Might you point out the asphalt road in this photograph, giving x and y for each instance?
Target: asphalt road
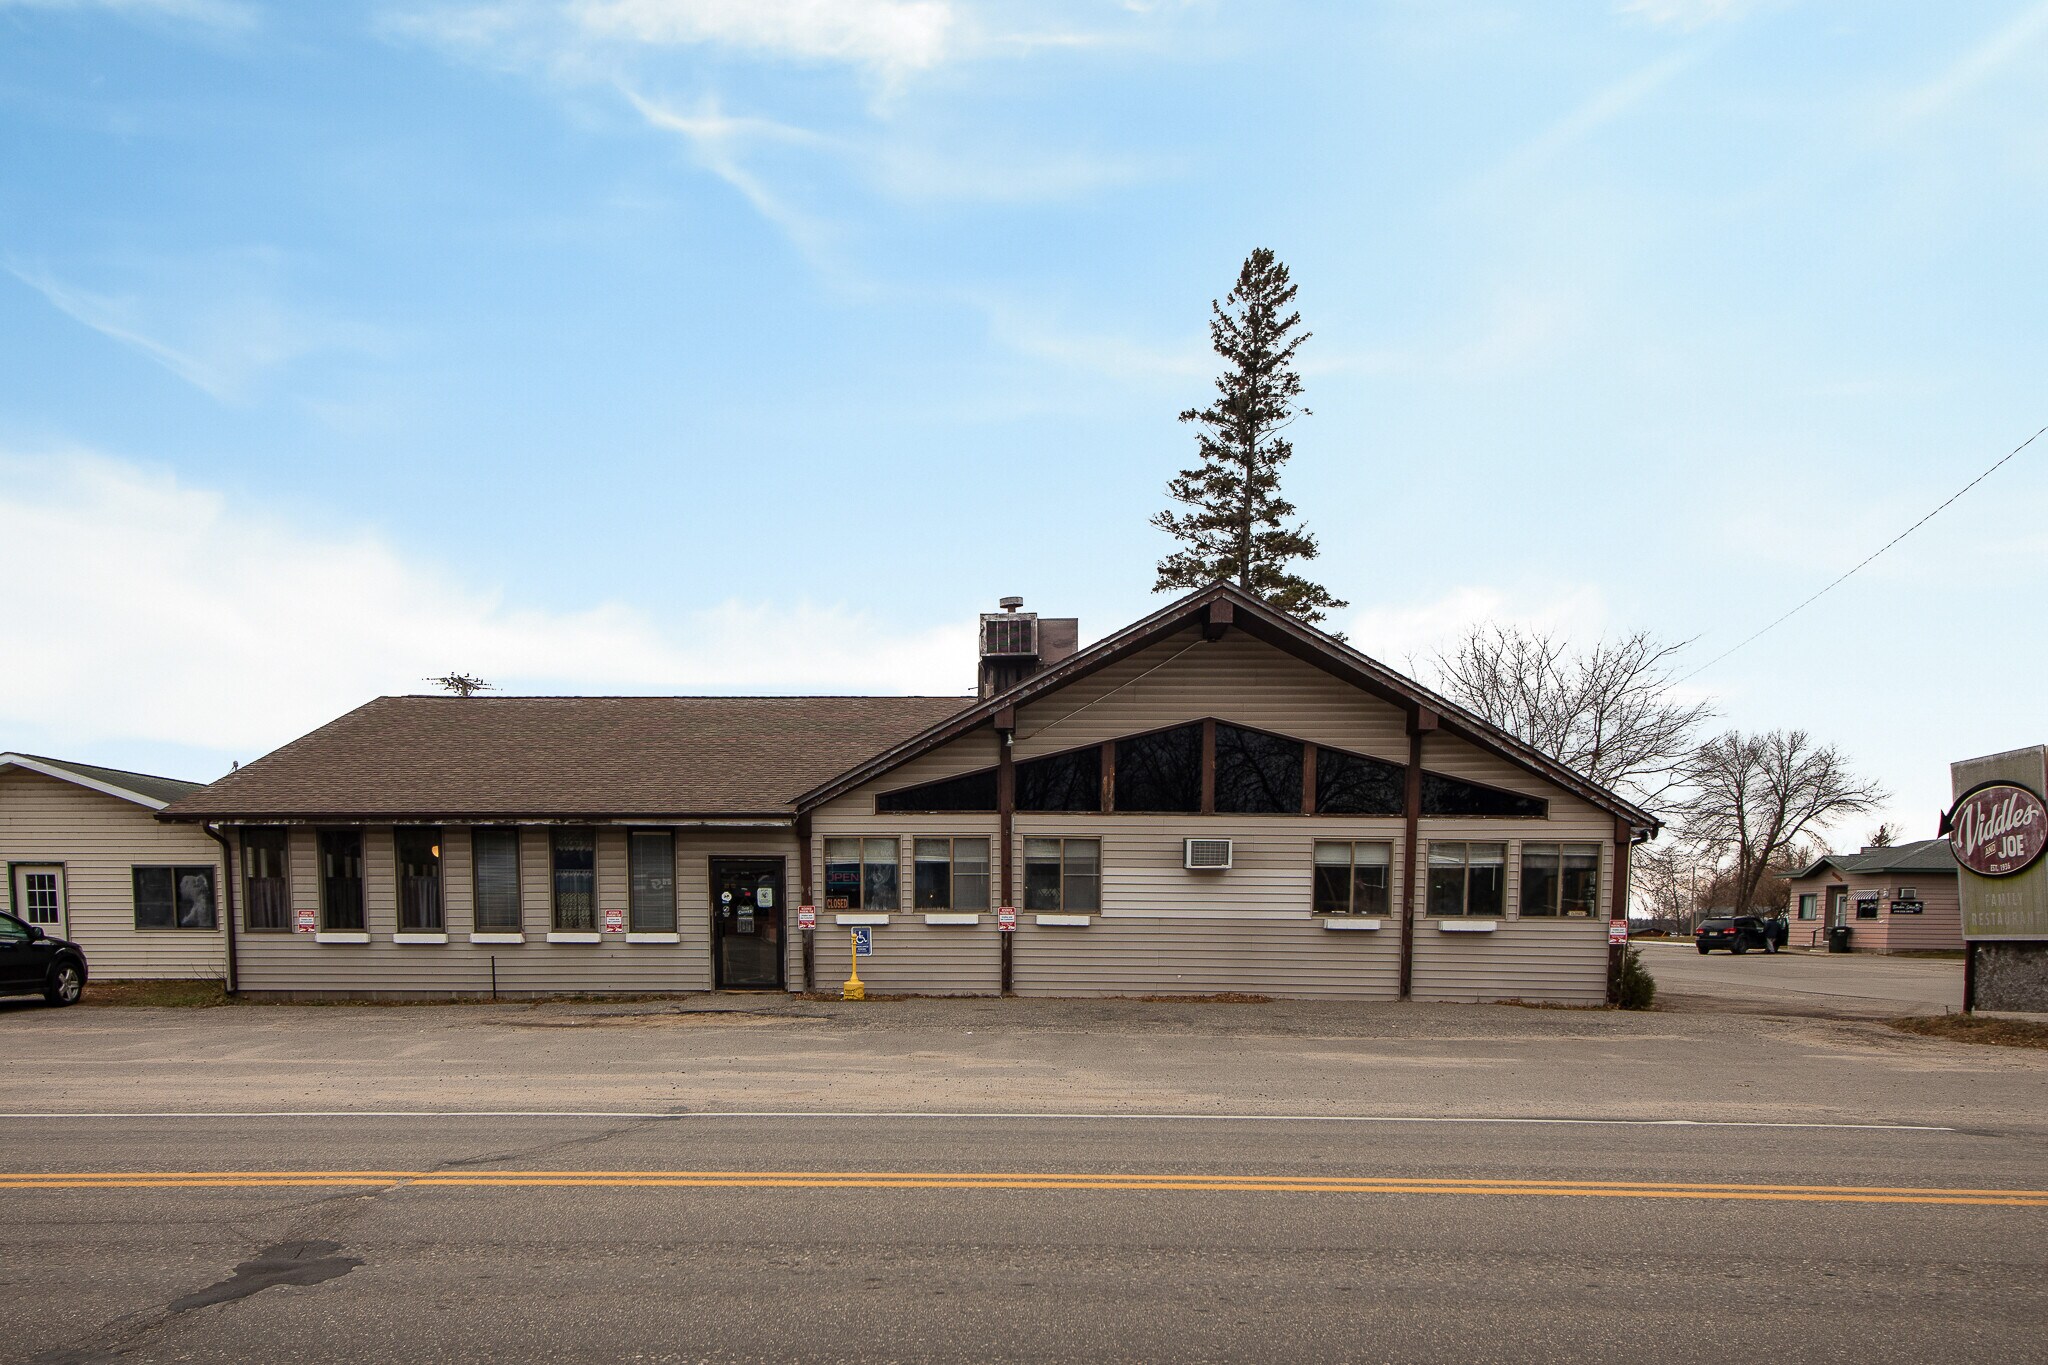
(1847, 985)
(857, 1239)
(1284, 1182)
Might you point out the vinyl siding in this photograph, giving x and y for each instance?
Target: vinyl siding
(300, 964)
(1162, 929)
(1938, 928)
(100, 839)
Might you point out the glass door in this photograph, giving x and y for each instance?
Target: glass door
(746, 923)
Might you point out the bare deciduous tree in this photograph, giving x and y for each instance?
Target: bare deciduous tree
(1751, 798)
(1606, 713)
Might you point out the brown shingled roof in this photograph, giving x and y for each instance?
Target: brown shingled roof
(501, 757)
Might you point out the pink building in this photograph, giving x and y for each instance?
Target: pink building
(1895, 900)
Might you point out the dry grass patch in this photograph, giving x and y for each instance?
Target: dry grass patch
(1975, 1028)
(156, 994)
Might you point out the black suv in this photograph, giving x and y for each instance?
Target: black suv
(33, 963)
(1740, 933)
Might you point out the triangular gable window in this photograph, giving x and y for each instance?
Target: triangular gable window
(1254, 773)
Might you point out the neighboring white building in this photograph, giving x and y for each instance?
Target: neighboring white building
(88, 860)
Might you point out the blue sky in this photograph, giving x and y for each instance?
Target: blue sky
(730, 345)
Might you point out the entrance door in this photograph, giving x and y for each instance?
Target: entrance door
(39, 896)
(746, 923)
(1838, 905)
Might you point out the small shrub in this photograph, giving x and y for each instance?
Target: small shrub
(1635, 988)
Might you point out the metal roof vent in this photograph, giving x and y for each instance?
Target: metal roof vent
(1009, 634)
(1205, 855)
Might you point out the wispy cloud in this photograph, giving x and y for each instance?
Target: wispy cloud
(1685, 14)
(719, 143)
(1410, 635)
(1980, 64)
(173, 579)
(216, 322)
(221, 14)
(1598, 110)
(888, 37)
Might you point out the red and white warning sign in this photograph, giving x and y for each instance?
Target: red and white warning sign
(1617, 931)
(305, 920)
(807, 917)
(1006, 920)
(615, 919)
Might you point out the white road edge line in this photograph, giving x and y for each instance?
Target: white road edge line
(1011, 1117)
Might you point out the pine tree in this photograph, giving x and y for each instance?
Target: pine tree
(1235, 525)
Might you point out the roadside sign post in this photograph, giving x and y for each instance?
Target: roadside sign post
(1998, 831)
(1006, 920)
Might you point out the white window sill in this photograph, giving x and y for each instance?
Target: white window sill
(555, 936)
(1347, 922)
(341, 936)
(648, 937)
(488, 937)
(419, 938)
(951, 917)
(1467, 926)
(1063, 921)
(860, 919)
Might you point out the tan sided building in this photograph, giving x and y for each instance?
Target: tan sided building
(87, 860)
(1214, 799)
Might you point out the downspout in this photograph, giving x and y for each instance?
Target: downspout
(1006, 821)
(804, 900)
(227, 866)
(1420, 721)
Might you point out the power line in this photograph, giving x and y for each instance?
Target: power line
(1866, 559)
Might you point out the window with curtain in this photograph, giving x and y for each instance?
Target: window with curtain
(418, 849)
(174, 898)
(1351, 877)
(1063, 875)
(494, 859)
(1256, 773)
(950, 874)
(1560, 880)
(860, 874)
(1071, 781)
(266, 883)
(1161, 771)
(1467, 878)
(651, 859)
(1809, 906)
(341, 879)
(575, 880)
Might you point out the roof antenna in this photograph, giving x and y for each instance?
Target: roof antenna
(461, 684)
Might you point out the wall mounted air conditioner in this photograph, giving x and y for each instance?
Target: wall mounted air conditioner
(1205, 855)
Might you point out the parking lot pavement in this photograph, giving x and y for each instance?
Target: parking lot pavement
(1839, 985)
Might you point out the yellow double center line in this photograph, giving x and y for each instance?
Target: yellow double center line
(975, 1180)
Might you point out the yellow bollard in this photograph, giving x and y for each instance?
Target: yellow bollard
(853, 989)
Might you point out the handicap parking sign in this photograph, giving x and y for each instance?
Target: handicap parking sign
(863, 941)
